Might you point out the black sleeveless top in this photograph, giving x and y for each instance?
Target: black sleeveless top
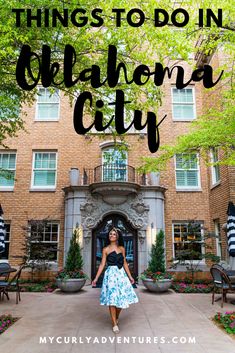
(115, 259)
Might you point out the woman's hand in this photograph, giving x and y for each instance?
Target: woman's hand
(132, 280)
(93, 283)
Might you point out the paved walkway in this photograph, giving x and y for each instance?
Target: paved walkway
(80, 317)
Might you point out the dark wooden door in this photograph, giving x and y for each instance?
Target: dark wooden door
(130, 243)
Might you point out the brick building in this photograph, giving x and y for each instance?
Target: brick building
(81, 181)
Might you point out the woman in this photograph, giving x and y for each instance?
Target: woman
(117, 291)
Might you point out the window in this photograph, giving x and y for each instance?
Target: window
(45, 245)
(44, 170)
(47, 105)
(215, 171)
(114, 166)
(218, 238)
(183, 104)
(187, 171)
(187, 239)
(7, 170)
(5, 255)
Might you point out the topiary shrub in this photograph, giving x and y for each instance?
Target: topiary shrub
(157, 262)
(74, 259)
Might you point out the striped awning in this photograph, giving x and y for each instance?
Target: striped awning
(231, 229)
(2, 232)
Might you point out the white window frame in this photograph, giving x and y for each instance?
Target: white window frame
(37, 103)
(213, 167)
(9, 188)
(202, 262)
(38, 187)
(189, 188)
(112, 147)
(194, 104)
(218, 241)
(8, 241)
(52, 242)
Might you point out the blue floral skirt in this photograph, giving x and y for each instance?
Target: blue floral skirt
(117, 289)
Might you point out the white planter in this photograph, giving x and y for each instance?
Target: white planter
(161, 285)
(70, 285)
(155, 178)
(74, 176)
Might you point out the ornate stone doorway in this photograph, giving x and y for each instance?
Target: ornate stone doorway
(130, 243)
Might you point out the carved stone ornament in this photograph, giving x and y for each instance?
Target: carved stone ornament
(89, 222)
(140, 207)
(138, 222)
(95, 209)
(87, 236)
(141, 237)
(88, 207)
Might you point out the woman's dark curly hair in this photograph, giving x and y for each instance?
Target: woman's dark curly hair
(120, 237)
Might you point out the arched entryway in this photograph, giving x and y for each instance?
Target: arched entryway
(130, 243)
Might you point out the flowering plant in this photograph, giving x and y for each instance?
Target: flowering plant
(227, 320)
(6, 321)
(183, 287)
(65, 274)
(155, 276)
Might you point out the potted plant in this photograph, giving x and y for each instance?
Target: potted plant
(72, 278)
(155, 278)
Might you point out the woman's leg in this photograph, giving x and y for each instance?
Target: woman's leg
(112, 310)
(118, 310)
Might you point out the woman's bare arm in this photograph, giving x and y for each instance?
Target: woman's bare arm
(126, 267)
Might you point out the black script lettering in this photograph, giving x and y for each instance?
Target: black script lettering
(206, 74)
(151, 121)
(160, 74)
(23, 65)
(69, 62)
(152, 129)
(94, 76)
(48, 71)
(141, 70)
(119, 112)
(78, 113)
(99, 117)
(113, 72)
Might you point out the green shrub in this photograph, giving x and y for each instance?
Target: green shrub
(74, 258)
(157, 262)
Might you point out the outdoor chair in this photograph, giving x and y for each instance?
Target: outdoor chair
(221, 281)
(13, 283)
(4, 266)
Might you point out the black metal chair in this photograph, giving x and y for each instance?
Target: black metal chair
(222, 282)
(13, 283)
(4, 266)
